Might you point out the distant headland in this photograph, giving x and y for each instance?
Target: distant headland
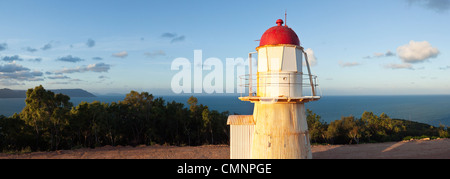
(9, 93)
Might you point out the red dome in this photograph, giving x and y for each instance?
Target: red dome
(279, 35)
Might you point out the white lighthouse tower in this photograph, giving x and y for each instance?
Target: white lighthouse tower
(278, 125)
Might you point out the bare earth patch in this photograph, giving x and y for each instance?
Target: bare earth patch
(416, 149)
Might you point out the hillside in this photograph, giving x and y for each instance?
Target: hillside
(8, 93)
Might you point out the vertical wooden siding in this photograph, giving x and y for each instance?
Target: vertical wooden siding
(241, 141)
(241, 137)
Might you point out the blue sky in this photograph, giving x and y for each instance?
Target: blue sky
(361, 47)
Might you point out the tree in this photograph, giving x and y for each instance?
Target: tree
(47, 114)
(220, 130)
(80, 125)
(353, 130)
(177, 116)
(207, 123)
(158, 124)
(344, 131)
(192, 101)
(15, 135)
(442, 132)
(316, 127)
(111, 126)
(59, 118)
(370, 123)
(98, 121)
(138, 115)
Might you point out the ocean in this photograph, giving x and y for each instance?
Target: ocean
(429, 109)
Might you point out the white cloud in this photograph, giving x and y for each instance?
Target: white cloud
(58, 83)
(436, 5)
(416, 52)
(90, 43)
(169, 35)
(311, 57)
(348, 64)
(98, 67)
(155, 53)
(12, 67)
(58, 77)
(122, 54)
(178, 39)
(399, 66)
(69, 58)
(11, 58)
(389, 54)
(445, 68)
(15, 71)
(174, 37)
(47, 46)
(29, 49)
(380, 55)
(10, 83)
(3, 46)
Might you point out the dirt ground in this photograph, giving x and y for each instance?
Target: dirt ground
(416, 149)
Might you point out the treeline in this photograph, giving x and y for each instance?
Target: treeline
(369, 128)
(50, 122)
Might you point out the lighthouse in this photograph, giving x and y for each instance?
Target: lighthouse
(278, 128)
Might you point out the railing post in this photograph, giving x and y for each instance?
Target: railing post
(250, 76)
(315, 84)
(310, 76)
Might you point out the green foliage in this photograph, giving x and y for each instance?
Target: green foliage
(15, 135)
(50, 122)
(346, 129)
(317, 128)
(443, 133)
(47, 113)
(192, 101)
(370, 128)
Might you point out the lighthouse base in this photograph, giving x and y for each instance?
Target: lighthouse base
(281, 131)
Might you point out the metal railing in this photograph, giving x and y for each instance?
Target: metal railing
(285, 79)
